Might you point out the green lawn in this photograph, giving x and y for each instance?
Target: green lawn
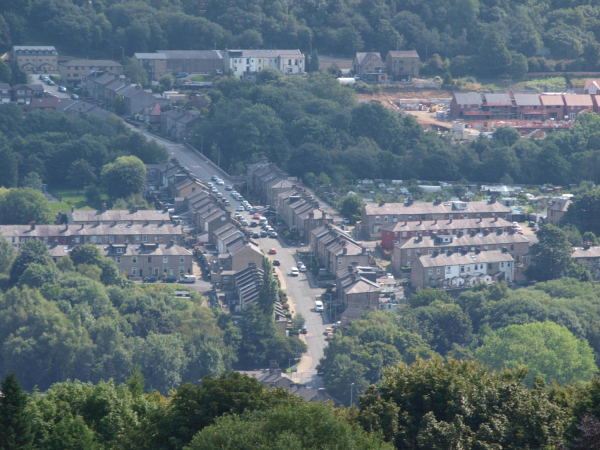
(71, 198)
(201, 78)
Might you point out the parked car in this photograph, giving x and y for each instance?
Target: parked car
(294, 272)
(171, 279)
(62, 89)
(276, 262)
(49, 82)
(255, 235)
(304, 330)
(263, 234)
(254, 223)
(227, 203)
(336, 325)
(75, 96)
(188, 279)
(220, 182)
(273, 251)
(151, 279)
(214, 190)
(240, 208)
(319, 306)
(273, 234)
(301, 267)
(229, 187)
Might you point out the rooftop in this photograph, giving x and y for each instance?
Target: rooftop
(444, 259)
(90, 62)
(466, 240)
(119, 215)
(432, 208)
(449, 224)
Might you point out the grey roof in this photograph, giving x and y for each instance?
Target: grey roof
(466, 240)
(527, 99)
(403, 54)
(119, 215)
(468, 98)
(497, 99)
(150, 55)
(443, 259)
(431, 208)
(89, 230)
(191, 54)
(580, 252)
(145, 249)
(4, 86)
(449, 224)
(265, 53)
(35, 47)
(90, 62)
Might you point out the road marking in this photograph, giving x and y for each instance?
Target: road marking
(196, 167)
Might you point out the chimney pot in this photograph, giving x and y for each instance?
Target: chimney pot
(32, 223)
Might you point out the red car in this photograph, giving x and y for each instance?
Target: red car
(256, 216)
(273, 251)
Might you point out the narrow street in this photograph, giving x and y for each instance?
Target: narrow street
(301, 289)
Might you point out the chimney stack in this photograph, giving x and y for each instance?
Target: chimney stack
(420, 222)
(103, 206)
(32, 223)
(345, 251)
(587, 245)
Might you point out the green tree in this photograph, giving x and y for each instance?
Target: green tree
(16, 421)
(33, 251)
(81, 173)
(351, 207)
(5, 73)
(547, 349)
(135, 72)
(194, 407)
(300, 425)
(268, 294)
(21, 206)
(32, 181)
(36, 275)
(438, 405)
(268, 75)
(551, 255)
(167, 81)
(584, 212)
(119, 105)
(7, 254)
(125, 176)
(313, 64)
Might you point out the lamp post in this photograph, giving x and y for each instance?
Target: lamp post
(351, 392)
(290, 362)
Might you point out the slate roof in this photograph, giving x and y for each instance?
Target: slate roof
(466, 240)
(447, 224)
(443, 259)
(403, 54)
(497, 99)
(468, 98)
(527, 99)
(421, 208)
(91, 62)
(580, 252)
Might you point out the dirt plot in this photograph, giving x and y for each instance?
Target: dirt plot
(384, 97)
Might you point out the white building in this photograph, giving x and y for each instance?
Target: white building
(246, 63)
(462, 269)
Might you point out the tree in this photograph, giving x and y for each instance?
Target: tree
(22, 206)
(5, 72)
(269, 292)
(584, 212)
(549, 351)
(313, 64)
(299, 425)
(7, 254)
(551, 255)
(125, 176)
(81, 173)
(195, 407)
(268, 75)
(93, 195)
(33, 251)
(36, 275)
(119, 105)
(167, 81)
(437, 405)
(135, 72)
(16, 422)
(351, 207)
(32, 181)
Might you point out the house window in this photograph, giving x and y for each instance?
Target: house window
(430, 271)
(462, 268)
(438, 270)
(501, 264)
(450, 216)
(181, 270)
(134, 259)
(77, 240)
(339, 261)
(512, 247)
(408, 264)
(409, 217)
(485, 248)
(134, 271)
(149, 259)
(507, 264)
(165, 259)
(119, 250)
(182, 259)
(377, 220)
(118, 260)
(408, 252)
(448, 269)
(111, 239)
(144, 238)
(94, 239)
(404, 234)
(45, 240)
(385, 218)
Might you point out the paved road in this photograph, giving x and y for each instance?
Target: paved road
(303, 291)
(298, 288)
(200, 165)
(35, 79)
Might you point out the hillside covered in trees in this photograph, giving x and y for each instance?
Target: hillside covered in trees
(478, 37)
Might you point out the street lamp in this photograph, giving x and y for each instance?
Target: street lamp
(351, 392)
(290, 362)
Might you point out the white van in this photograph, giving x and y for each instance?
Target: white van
(318, 306)
(188, 279)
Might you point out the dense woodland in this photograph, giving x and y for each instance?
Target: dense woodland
(314, 126)
(477, 37)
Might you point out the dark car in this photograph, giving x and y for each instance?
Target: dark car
(151, 279)
(276, 262)
(255, 235)
(170, 280)
(263, 233)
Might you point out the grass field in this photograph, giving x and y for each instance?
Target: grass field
(201, 78)
(71, 198)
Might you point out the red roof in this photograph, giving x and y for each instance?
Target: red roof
(577, 100)
(552, 100)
